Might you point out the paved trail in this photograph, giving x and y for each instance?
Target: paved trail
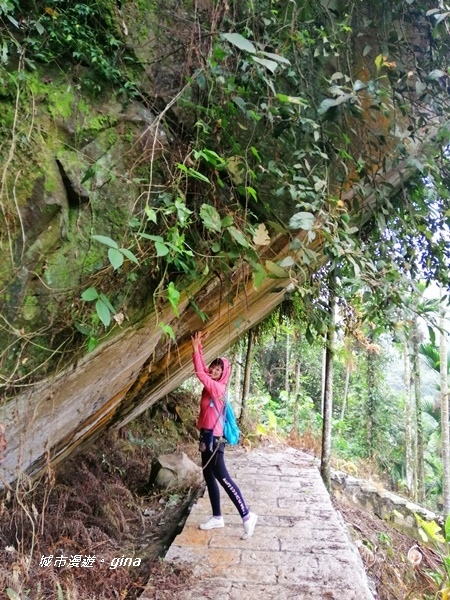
(300, 548)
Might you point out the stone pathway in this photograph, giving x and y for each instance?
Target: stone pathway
(300, 548)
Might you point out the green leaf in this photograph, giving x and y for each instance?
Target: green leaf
(275, 270)
(238, 236)
(92, 343)
(379, 61)
(356, 267)
(210, 217)
(167, 329)
(105, 299)
(212, 157)
(134, 223)
(352, 230)
(255, 152)
(115, 258)
(89, 294)
(276, 57)
(287, 262)
(103, 239)
(291, 99)
(435, 74)
(259, 275)
(154, 238)
(271, 65)
(193, 173)
(161, 249)
(240, 103)
(173, 296)
(429, 530)
(359, 85)
(39, 28)
(252, 192)
(227, 221)
(432, 334)
(84, 329)
(104, 314)
(240, 42)
(128, 254)
(332, 102)
(302, 220)
(151, 214)
(12, 595)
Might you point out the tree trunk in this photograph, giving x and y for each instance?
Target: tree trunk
(347, 384)
(409, 450)
(420, 467)
(287, 369)
(324, 376)
(238, 377)
(325, 465)
(297, 396)
(444, 416)
(247, 377)
(371, 399)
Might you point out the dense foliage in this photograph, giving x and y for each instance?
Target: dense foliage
(370, 398)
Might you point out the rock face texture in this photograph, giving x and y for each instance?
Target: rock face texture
(300, 548)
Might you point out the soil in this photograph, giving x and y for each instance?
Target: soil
(100, 504)
(384, 552)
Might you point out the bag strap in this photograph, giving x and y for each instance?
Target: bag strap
(219, 415)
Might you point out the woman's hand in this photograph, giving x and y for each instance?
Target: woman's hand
(197, 339)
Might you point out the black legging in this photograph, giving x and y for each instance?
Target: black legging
(216, 471)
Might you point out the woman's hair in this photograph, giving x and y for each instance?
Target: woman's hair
(217, 362)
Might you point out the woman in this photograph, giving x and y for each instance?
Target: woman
(215, 379)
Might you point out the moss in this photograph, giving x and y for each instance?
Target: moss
(112, 137)
(93, 125)
(58, 93)
(128, 136)
(30, 308)
(50, 182)
(6, 115)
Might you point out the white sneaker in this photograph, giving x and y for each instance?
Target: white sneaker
(249, 526)
(212, 523)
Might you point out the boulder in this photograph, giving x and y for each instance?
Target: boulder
(175, 470)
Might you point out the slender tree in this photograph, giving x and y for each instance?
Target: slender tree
(247, 375)
(420, 467)
(325, 465)
(371, 394)
(324, 379)
(409, 438)
(287, 366)
(444, 413)
(238, 375)
(296, 395)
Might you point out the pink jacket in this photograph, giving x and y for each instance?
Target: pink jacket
(208, 417)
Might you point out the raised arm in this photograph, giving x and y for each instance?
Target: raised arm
(215, 389)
